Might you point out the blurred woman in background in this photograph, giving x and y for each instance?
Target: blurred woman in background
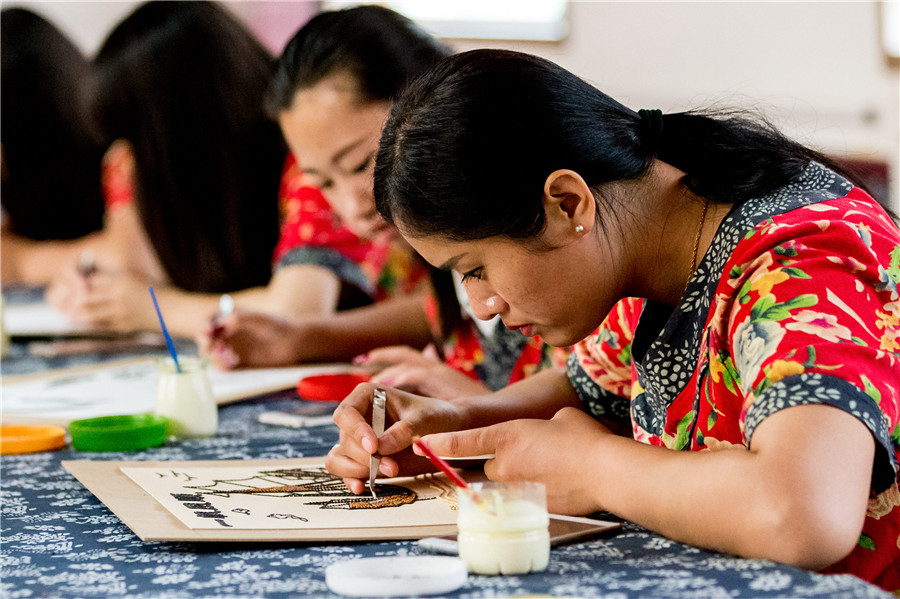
(192, 174)
(50, 194)
(331, 95)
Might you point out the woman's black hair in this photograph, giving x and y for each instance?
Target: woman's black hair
(51, 163)
(380, 49)
(467, 148)
(185, 83)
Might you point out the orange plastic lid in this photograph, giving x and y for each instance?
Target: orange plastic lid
(30, 439)
(330, 387)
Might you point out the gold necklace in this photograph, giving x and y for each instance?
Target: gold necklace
(696, 245)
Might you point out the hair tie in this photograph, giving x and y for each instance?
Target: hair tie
(650, 129)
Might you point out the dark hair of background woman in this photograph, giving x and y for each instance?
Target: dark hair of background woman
(383, 51)
(51, 164)
(185, 83)
(468, 147)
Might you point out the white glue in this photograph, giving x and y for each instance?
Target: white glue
(186, 398)
(503, 528)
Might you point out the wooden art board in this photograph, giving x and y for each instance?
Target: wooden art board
(151, 521)
(126, 387)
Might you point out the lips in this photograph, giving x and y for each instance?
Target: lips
(525, 329)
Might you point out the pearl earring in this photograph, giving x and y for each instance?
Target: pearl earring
(579, 229)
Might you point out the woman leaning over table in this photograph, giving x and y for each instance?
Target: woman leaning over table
(52, 206)
(748, 300)
(192, 173)
(331, 95)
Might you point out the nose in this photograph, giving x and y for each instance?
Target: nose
(355, 204)
(485, 304)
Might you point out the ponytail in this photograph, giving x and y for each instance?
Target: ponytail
(731, 157)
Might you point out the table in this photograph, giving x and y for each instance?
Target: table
(58, 540)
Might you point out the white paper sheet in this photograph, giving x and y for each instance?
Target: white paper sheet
(127, 387)
(40, 320)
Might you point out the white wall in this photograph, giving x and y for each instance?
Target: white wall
(88, 22)
(816, 68)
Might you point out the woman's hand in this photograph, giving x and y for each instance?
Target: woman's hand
(556, 452)
(250, 339)
(106, 300)
(418, 372)
(407, 416)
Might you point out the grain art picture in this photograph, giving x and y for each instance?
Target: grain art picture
(292, 497)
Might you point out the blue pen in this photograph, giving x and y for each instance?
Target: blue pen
(165, 332)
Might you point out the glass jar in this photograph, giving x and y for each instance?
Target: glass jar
(4, 337)
(504, 528)
(186, 398)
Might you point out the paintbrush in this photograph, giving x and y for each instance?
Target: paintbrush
(443, 466)
(165, 332)
(453, 475)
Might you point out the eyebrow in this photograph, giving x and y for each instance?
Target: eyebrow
(347, 149)
(451, 263)
(337, 157)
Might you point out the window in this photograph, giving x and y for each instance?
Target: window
(890, 30)
(543, 20)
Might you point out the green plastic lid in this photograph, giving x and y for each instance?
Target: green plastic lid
(119, 433)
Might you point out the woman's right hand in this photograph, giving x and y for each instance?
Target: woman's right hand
(408, 416)
(250, 339)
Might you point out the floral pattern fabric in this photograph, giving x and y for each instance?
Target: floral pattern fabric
(796, 302)
(311, 233)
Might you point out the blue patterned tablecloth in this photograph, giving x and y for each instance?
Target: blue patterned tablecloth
(58, 540)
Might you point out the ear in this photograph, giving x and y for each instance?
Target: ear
(568, 205)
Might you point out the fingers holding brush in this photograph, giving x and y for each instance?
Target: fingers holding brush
(406, 416)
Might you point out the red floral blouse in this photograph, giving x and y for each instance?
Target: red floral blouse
(312, 234)
(117, 175)
(796, 302)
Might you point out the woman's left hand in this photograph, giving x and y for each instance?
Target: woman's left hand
(558, 452)
(419, 372)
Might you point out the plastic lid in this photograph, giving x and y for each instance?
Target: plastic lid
(397, 576)
(119, 433)
(30, 439)
(330, 387)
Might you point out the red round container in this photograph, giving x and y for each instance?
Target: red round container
(330, 387)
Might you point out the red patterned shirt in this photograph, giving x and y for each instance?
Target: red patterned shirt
(117, 175)
(796, 302)
(311, 233)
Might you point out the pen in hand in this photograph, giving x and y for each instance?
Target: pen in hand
(86, 264)
(226, 307)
